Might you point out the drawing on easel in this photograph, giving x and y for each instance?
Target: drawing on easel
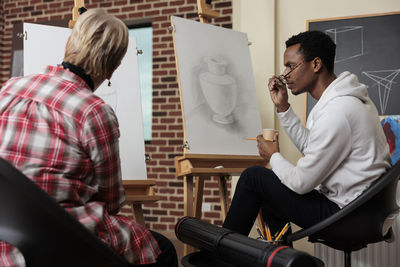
(45, 46)
(217, 88)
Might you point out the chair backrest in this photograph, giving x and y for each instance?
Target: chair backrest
(42, 230)
(362, 221)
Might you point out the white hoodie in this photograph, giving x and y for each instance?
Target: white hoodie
(344, 145)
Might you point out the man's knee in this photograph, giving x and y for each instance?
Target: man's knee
(257, 176)
(254, 173)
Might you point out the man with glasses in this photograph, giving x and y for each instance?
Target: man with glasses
(343, 144)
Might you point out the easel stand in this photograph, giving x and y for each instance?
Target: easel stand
(205, 12)
(201, 166)
(139, 192)
(75, 13)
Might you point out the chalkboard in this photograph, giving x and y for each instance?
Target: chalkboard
(367, 46)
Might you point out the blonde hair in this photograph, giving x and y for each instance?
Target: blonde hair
(98, 42)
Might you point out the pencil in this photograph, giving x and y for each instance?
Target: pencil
(268, 233)
(261, 223)
(249, 138)
(259, 232)
(284, 229)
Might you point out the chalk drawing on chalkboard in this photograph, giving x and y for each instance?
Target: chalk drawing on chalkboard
(384, 81)
(349, 42)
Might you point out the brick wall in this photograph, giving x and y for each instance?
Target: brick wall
(2, 51)
(167, 121)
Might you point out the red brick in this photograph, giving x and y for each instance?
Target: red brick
(167, 191)
(159, 46)
(212, 214)
(186, 9)
(176, 213)
(169, 11)
(167, 219)
(128, 9)
(145, 6)
(167, 176)
(151, 218)
(120, 3)
(159, 227)
(159, 212)
(152, 13)
(168, 205)
(174, 100)
(160, 4)
(159, 127)
(160, 72)
(15, 10)
(168, 52)
(135, 15)
(9, 5)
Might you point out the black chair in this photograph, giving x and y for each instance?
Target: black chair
(365, 220)
(42, 230)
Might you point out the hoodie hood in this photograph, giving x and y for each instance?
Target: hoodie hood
(346, 84)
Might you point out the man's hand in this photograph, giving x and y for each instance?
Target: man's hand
(278, 92)
(267, 148)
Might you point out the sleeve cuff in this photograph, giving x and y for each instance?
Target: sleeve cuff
(286, 113)
(274, 159)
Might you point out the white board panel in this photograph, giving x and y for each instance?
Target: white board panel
(218, 89)
(45, 45)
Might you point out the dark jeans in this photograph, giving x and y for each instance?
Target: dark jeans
(168, 257)
(259, 187)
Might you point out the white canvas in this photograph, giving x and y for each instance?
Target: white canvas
(218, 89)
(45, 45)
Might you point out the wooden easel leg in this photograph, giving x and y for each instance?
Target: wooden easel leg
(188, 195)
(223, 196)
(198, 197)
(188, 206)
(137, 212)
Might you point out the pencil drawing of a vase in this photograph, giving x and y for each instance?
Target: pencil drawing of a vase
(219, 89)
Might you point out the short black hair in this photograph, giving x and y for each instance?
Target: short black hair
(315, 44)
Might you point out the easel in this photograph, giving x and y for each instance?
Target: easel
(202, 166)
(205, 12)
(138, 192)
(75, 12)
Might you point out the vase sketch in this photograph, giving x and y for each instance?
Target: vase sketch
(219, 89)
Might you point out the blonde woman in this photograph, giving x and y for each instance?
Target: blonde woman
(65, 138)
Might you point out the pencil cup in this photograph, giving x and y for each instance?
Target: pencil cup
(271, 242)
(269, 134)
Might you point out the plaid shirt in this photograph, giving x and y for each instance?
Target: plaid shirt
(65, 139)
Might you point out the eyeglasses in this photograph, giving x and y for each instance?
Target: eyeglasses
(282, 77)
